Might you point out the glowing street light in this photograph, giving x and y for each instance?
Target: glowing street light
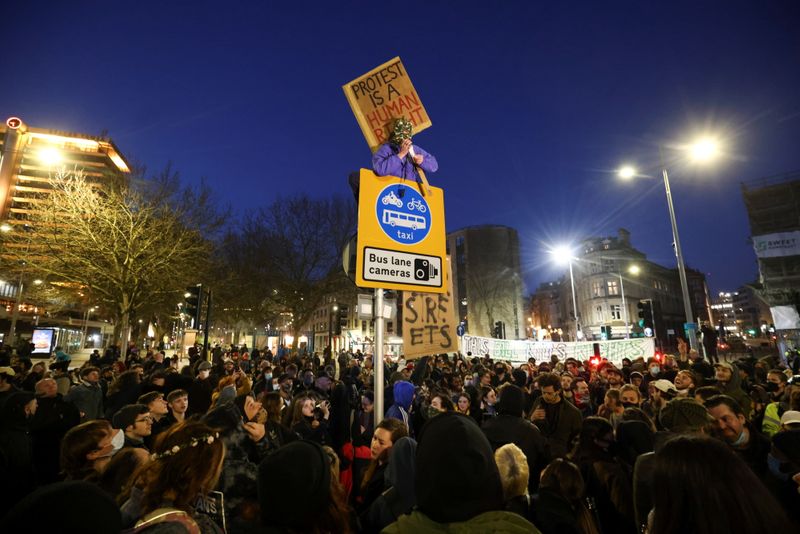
(702, 151)
(563, 254)
(50, 156)
(626, 172)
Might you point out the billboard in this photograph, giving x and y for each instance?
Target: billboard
(43, 340)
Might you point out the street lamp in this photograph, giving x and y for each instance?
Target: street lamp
(701, 151)
(563, 254)
(334, 309)
(85, 325)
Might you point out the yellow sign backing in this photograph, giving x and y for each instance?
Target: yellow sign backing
(401, 235)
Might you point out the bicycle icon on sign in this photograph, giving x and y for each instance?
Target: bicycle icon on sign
(416, 204)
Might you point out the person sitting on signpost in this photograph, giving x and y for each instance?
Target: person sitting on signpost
(391, 158)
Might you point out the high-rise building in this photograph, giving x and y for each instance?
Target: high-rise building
(29, 157)
(773, 208)
(487, 281)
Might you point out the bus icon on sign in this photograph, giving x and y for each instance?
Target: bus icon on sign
(395, 218)
(403, 214)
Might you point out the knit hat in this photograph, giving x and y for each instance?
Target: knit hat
(126, 416)
(70, 507)
(204, 365)
(511, 401)
(684, 415)
(293, 485)
(456, 483)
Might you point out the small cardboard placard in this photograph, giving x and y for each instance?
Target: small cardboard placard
(429, 322)
(382, 95)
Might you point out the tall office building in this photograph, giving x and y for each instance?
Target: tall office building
(486, 279)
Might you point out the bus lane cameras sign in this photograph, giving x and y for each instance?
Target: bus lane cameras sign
(401, 235)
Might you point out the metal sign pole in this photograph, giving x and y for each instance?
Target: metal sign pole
(377, 356)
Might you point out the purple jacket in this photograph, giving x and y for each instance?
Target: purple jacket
(385, 162)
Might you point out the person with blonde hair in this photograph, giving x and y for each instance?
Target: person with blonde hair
(514, 473)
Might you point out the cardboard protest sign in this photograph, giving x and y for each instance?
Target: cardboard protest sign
(212, 505)
(429, 322)
(383, 94)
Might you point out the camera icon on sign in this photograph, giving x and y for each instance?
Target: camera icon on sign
(423, 270)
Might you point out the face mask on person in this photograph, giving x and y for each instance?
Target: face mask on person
(655, 370)
(629, 405)
(740, 440)
(308, 380)
(771, 387)
(286, 386)
(267, 376)
(117, 442)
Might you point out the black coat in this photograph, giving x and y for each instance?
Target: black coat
(54, 417)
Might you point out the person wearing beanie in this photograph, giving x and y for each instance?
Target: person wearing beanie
(685, 416)
(297, 493)
(71, 506)
(458, 488)
(510, 427)
(680, 417)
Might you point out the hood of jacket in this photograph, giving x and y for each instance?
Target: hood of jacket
(401, 470)
(454, 484)
(403, 394)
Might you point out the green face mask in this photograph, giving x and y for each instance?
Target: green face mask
(402, 130)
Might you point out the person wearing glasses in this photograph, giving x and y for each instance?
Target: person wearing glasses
(137, 423)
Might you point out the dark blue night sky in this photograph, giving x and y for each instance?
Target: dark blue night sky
(534, 104)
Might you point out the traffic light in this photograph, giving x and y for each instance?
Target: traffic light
(341, 320)
(498, 330)
(594, 361)
(194, 299)
(645, 313)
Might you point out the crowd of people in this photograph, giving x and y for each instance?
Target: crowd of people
(251, 441)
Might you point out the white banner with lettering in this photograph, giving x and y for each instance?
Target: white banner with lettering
(777, 245)
(519, 351)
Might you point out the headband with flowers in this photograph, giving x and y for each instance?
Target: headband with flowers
(194, 442)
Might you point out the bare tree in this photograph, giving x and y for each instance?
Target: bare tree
(131, 245)
(286, 258)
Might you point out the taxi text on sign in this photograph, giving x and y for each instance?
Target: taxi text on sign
(401, 235)
(429, 322)
(383, 94)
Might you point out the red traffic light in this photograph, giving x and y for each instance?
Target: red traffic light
(595, 361)
(659, 356)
